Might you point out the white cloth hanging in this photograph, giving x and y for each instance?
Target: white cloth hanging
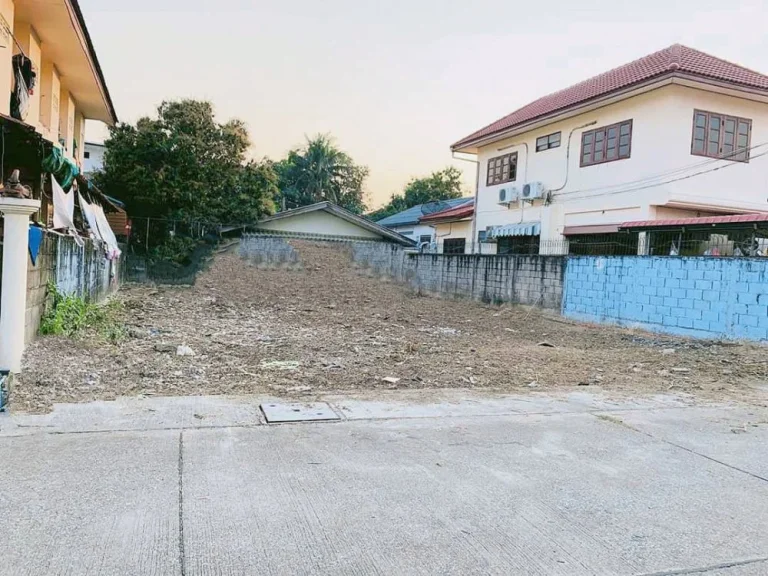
(63, 207)
(106, 232)
(90, 216)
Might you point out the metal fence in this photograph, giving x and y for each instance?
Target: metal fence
(167, 251)
(732, 244)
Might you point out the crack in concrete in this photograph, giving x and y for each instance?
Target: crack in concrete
(715, 460)
(681, 447)
(705, 569)
(182, 558)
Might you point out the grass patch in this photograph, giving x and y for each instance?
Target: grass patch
(74, 317)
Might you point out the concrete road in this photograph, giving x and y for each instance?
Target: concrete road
(463, 484)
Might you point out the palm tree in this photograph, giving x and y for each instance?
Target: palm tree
(320, 171)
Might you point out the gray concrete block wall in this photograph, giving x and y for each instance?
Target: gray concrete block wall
(267, 250)
(533, 280)
(81, 270)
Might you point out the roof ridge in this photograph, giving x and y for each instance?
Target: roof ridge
(572, 86)
(723, 60)
(674, 59)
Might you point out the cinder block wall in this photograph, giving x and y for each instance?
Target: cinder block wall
(704, 297)
(83, 271)
(267, 250)
(533, 280)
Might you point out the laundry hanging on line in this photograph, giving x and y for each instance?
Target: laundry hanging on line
(90, 217)
(35, 241)
(113, 252)
(63, 207)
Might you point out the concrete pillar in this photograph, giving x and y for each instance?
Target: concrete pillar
(13, 301)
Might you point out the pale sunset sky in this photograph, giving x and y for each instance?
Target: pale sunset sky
(397, 82)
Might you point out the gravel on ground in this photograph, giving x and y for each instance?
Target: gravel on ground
(328, 325)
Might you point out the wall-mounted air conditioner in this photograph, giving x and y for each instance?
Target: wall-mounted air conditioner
(508, 195)
(533, 190)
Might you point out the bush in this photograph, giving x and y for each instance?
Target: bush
(72, 316)
(176, 249)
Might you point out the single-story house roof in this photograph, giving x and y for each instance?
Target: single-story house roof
(737, 220)
(676, 60)
(414, 214)
(326, 219)
(461, 212)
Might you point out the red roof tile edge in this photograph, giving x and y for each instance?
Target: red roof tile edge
(674, 60)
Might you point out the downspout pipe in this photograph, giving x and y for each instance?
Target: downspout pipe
(477, 190)
(568, 158)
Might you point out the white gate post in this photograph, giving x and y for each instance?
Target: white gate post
(13, 301)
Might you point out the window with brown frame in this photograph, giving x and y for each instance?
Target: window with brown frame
(502, 169)
(721, 136)
(548, 142)
(606, 144)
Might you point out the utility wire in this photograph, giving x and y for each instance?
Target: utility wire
(665, 174)
(647, 182)
(637, 188)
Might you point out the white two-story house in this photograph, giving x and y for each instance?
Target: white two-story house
(676, 134)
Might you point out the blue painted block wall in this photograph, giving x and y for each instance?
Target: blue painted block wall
(702, 297)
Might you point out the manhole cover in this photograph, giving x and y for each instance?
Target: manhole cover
(298, 412)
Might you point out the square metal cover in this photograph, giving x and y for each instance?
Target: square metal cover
(298, 412)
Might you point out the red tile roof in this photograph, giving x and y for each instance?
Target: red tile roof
(458, 213)
(677, 59)
(706, 220)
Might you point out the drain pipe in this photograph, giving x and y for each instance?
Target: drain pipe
(568, 159)
(477, 190)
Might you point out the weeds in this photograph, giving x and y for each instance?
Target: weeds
(74, 317)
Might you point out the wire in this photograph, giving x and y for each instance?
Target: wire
(637, 188)
(666, 173)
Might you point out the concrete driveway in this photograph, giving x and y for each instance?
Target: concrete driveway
(460, 484)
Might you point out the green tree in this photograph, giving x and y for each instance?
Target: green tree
(441, 185)
(184, 165)
(320, 171)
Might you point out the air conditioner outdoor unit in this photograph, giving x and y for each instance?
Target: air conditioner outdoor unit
(508, 195)
(533, 190)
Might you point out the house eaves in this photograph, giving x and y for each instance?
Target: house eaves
(346, 215)
(675, 64)
(66, 42)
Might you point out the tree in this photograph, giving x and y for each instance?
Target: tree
(321, 171)
(441, 185)
(183, 165)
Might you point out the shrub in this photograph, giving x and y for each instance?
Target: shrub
(72, 316)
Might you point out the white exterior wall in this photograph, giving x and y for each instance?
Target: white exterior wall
(459, 229)
(662, 122)
(95, 159)
(414, 231)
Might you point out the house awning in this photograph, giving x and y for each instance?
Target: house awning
(521, 229)
(595, 229)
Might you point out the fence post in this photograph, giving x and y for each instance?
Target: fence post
(13, 301)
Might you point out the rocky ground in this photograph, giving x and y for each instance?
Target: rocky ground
(329, 326)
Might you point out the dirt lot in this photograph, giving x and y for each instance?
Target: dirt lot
(329, 326)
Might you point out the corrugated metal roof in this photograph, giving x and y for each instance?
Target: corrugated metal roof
(703, 221)
(415, 213)
(676, 59)
(464, 211)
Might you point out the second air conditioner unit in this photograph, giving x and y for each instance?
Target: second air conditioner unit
(533, 190)
(508, 195)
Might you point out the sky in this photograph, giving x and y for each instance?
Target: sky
(397, 82)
